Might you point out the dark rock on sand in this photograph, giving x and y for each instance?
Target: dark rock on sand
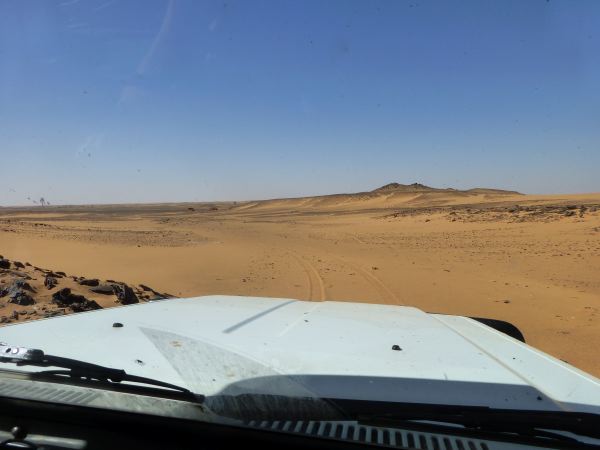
(50, 282)
(21, 298)
(125, 294)
(55, 313)
(15, 288)
(77, 303)
(65, 297)
(4, 263)
(53, 274)
(88, 305)
(105, 289)
(149, 289)
(89, 282)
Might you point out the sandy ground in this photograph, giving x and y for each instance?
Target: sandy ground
(530, 260)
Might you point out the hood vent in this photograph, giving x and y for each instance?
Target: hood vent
(390, 437)
(47, 393)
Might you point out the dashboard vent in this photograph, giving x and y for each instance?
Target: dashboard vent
(391, 437)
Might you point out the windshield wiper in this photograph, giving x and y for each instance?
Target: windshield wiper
(533, 423)
(78, 370)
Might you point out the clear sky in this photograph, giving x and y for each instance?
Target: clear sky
(127, 101)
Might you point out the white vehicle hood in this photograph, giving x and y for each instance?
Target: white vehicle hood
(234, 345)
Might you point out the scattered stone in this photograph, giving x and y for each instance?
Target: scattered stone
(53, 274)
(569, 213)
(50, 282)
(77, 303)
(17, 273)
(4, 263)
(18, 265)
(22, 284)
(88, 305)
(16, 289)
(3, 319)
(65, 297)
(147, 289)
(61, 274)
(125, 294)
(21, 298)
(105, 289)
(89, 282)
(14, 316)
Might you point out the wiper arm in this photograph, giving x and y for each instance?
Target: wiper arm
(532, 422)
(527, 431)
(77, 369)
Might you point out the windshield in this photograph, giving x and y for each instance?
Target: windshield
(371, 201)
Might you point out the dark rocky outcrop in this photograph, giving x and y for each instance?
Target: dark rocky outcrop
(88, 305)
(105, 289)
(125, 294)
(77, 303)
(149, 289)
(50, 282)
(16, 288)
(21, 298)
(65, 297)
(18, 293)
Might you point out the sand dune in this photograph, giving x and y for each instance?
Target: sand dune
(531, 260)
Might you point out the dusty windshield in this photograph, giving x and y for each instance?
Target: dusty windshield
(315, 199)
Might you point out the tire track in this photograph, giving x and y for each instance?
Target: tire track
(316, 286)
(384, 291)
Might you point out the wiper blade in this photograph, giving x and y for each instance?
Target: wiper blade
(76, 369)
(532, 422)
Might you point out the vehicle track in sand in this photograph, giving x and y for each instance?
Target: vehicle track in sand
(316, 286)
(386, 294)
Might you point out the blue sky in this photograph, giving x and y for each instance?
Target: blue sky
(156, 100)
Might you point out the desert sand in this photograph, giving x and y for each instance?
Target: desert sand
(531, 260)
